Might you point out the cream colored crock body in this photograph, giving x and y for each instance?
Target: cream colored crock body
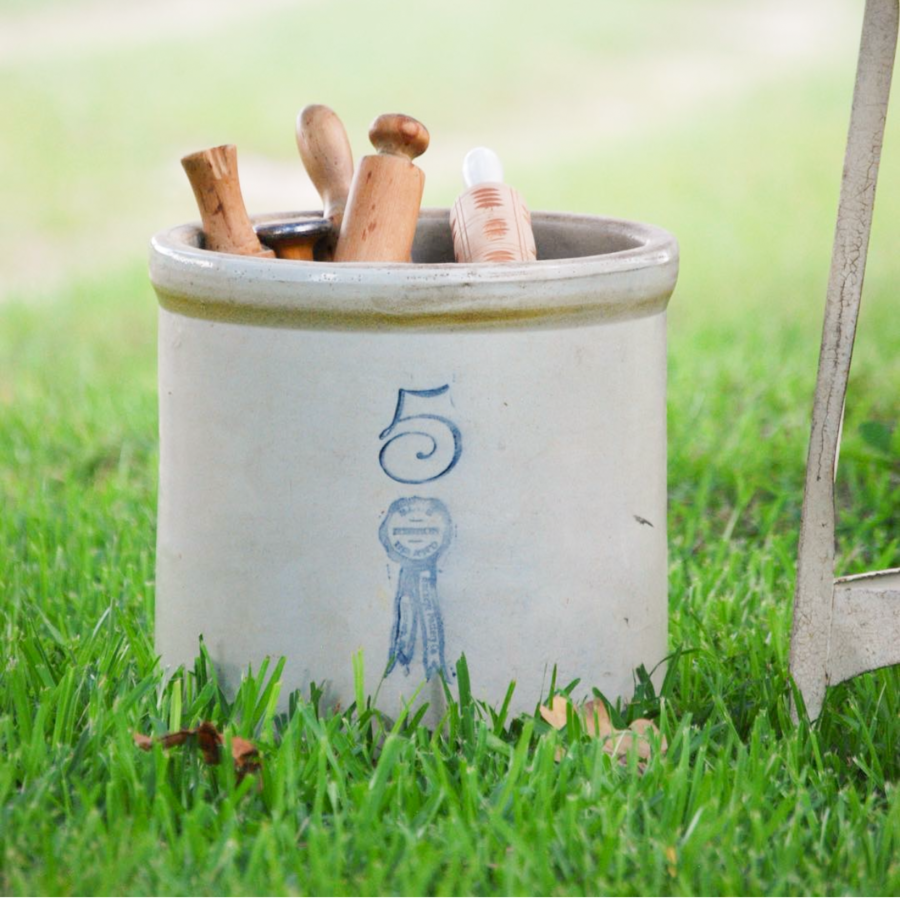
(417, 461)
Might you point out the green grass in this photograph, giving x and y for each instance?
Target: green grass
(744, 802)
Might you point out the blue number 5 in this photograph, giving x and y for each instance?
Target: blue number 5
(422, 445)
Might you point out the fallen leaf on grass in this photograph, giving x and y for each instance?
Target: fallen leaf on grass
(209, 740)
(556, 715)
(245, 755)
(595, 717)
(143, 741)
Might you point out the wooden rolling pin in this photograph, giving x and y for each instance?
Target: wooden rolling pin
(489, 222)
(213, 175)
(325, 151)
(383, 206)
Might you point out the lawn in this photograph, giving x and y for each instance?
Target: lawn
(746, 176)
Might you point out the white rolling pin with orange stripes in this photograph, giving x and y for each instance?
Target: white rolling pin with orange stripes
(489, 221)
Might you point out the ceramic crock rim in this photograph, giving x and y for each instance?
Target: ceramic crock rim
(631, 283)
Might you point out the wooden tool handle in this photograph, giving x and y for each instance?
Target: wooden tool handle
(213, 176)
(325, 151)
(399, 135)
(296, 238)
(383, 207)
(490, 223)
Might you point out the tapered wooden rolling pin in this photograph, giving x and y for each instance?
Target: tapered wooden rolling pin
(325, 151)
(489, 222)
(383, 206)
(213, 175)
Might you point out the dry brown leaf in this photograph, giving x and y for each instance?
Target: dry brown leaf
(643, 726)
(143, 741)
(245, 755)
(210, 741)
(596, 718)
(619, 743)
(623, 741)
(597, 724)
(176, 738)
(556, 715)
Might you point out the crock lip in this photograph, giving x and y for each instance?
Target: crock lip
(625, 284)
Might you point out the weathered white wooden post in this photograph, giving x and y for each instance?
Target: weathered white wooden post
(845, 626)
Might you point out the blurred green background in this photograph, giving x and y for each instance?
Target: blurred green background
(723, 121)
